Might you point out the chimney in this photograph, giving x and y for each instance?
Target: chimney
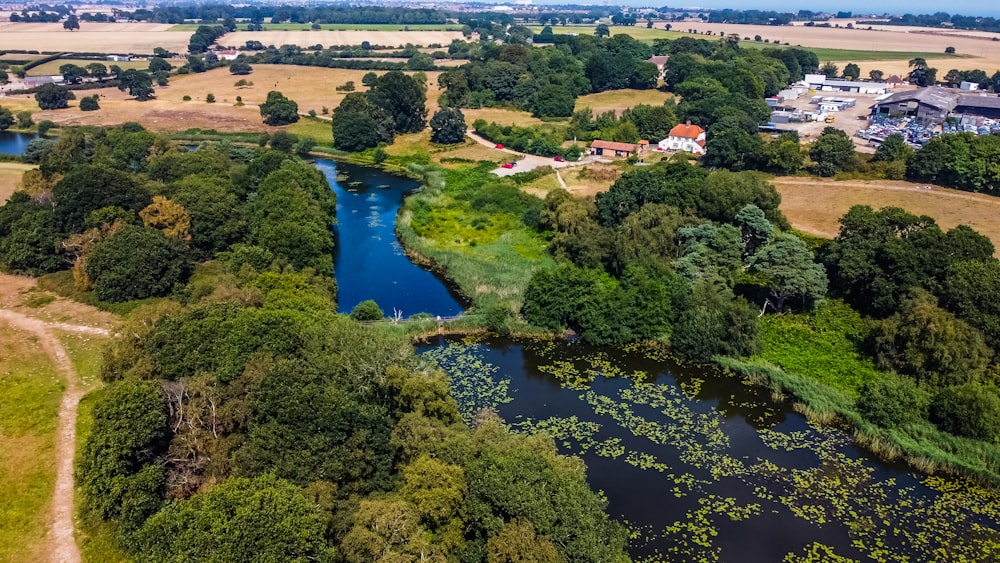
(689, 122)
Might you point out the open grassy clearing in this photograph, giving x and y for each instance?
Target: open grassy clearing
(30, 391)
(51, 68)
(619, 100)
(191, 27)
(310, 87)
(814, 205)
(590, 179)
(305, 38)
(93, 38)
(501, 116)
(10, 177)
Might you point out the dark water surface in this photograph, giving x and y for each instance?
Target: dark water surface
(15, 143)
(368, 261)
(705, 468)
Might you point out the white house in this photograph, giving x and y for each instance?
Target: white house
(684, 137)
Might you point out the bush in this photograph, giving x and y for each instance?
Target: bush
(893, 401)
(186, 98)
(89, 103)
(44, 126)
(970, 410)
(136, 263)
(367, 311)
(210, 98)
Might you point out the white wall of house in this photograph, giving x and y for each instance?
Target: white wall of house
(681, 144)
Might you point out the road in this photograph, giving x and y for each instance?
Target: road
(528, 161)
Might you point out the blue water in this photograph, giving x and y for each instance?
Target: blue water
(369, 261)
(15, 143)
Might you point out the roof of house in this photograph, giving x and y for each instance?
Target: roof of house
(612, 145)
(978, 101)
(658, 59)
(935, 96)
(894, 79)
(686, 130)
(853, 83)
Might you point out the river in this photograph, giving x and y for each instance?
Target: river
(701, 466)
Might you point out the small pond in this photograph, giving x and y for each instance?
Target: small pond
(15, 143)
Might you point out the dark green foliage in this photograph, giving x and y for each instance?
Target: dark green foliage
(972, 291)
(89, 103)
(652, 122)
(117, 469)
(6, 118)
(893, 401)
(240, 67)
(279, 110)
(204, 36)
(892, 148)
(553, 101)
(88, 188)
(367, 311)
(159, 64)
(832, 152)
(354, 131)
(138, 83)
(953, 160)
(880, 255)
(50, 96)
(731, 145)
(712, 323)
(403, 98)
(218, 219)
(262, 519)
(282, 141)
(930, 344)
(788, 270)
(448, 126)
(136, 263)
(755, 230)
(970, 410)
(28, 236)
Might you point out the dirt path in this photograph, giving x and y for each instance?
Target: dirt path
(61, 543)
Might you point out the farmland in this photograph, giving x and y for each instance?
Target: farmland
(52, 67)
(191, 27)
(139, 38)
(330, 37)
(814, 206)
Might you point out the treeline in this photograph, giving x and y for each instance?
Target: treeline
(938, 19)
(212, 13)
(546, 80)
(130, 213)
(692, 258)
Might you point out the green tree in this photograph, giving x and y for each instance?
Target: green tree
(97, 70)
(72, 73)
(157, 64)
(712, 322)
(553, 100)
(876, 75)
(367, 311)
(971, 410)
(72, 23)
(136, 263)
(88, 188)
(972, 291)
(403, 98)
(893, 148)
(829, 69)
(602, 30)
(448, 126)
(755, 230)
(930, 344)
(279, 110)
(89, 103)
(354, 131)
(832, 152)
(50, 96)
(28, 236)
(652, 122)
(262, 519)
(852, 71)
(138, 83)
(731, 146)
(6, 118)
(369, 79)
(893, 401)
(787, 266)
(240, 67)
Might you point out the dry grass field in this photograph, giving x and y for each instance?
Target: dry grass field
(138, 38)
(620, 100)
(10, 177)
(339, 37)
(501, 116)
(52, 67)
(814, 205)
(310, 87)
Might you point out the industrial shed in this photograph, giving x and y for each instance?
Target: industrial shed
(932, 104)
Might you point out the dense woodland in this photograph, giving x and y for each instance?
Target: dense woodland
(243, 418)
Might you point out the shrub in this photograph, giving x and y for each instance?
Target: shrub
(210, 98)
(893, 401)
(970, 410)
(367, 311)
(89, 103)
(186, 98)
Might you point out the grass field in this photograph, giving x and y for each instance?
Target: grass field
(137, 38)
(30, 391)
(619, 100)
(501, 116)
(814, 206)
(10, 177)
(305, 38)
(52, 67)
(191, 27)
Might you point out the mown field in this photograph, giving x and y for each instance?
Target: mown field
(191, 27)
(10, 177)
(51, 68)
(137, 38)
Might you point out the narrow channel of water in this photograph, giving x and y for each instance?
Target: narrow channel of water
(369, 261)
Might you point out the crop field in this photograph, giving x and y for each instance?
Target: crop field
(10, 177)
(332, 37)
(52, 67)
(311, 87)
(139, 38)
(191, 27)
(620, 100)
(814, 206)
(501, 116)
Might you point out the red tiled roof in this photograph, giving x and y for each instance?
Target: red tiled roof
(612, 145)
(686, 130)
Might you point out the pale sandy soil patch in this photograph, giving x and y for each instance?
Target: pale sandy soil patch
(815, 205)
(327, 38)
(620, 100)
(590, 179)
(10, 177)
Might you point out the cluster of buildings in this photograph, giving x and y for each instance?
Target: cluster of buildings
(685, 137)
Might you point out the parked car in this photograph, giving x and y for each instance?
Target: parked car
(499, 145)
(559, 159)
(507, 165)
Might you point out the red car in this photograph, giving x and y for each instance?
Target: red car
(507, 165)
(499, 146)
(559, 159)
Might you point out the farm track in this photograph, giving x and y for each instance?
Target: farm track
(61, 544)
